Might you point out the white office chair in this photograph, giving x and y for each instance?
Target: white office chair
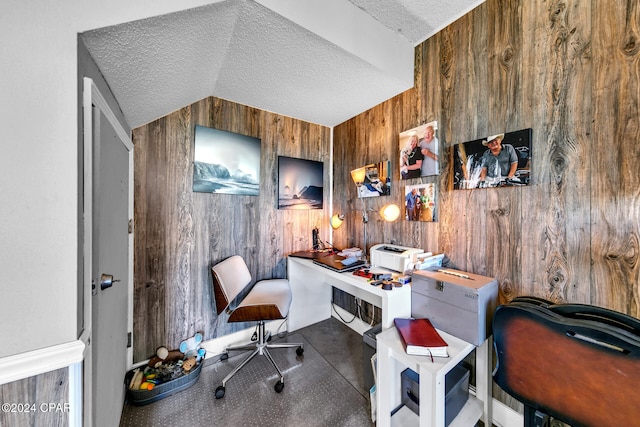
(266, 300)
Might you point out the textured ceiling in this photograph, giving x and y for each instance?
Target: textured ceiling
(322, 61)
(416, 20)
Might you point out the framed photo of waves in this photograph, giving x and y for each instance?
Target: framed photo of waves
(226, 162)
(300, 183)
(499, 160)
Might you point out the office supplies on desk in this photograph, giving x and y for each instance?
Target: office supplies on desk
(363, 272)
(351, 252)
(421, 338)
(349, 261)
(429, 262)
(334, 262)
(393, 257)
(404, 279)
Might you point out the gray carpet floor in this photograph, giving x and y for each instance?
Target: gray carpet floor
(323, 387)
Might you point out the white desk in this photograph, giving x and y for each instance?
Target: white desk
(311, 292)
(393, 359)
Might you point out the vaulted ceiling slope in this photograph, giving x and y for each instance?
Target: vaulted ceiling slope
(322, 61)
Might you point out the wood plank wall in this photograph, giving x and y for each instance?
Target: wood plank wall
(570, 70)
(29, 400)
(179, 234)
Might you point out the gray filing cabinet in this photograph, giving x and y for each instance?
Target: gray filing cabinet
(461, 305)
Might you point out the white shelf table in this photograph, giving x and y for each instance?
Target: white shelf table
(393, 359)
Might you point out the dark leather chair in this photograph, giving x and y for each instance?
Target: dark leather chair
(266, 300)
(576, 363)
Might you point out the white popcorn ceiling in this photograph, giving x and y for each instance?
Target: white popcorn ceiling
(322, 61)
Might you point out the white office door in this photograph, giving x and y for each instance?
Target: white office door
(111, 269)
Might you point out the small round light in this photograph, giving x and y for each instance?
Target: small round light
(390, 212)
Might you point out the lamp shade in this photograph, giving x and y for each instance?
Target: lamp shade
(358, 175)
(336, 221)
(390, 212)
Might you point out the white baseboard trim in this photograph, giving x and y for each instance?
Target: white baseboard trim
(504, 416)
(35, 362)
(501, 414)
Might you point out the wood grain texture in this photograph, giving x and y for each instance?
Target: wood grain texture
(505, 229)
(464, 89)
(570, 70)
(179, 234)
(615, 184)
(557, 207)
(44, 389)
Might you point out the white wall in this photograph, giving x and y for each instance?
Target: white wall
(39, 161)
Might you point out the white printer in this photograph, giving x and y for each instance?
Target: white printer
(393, 257)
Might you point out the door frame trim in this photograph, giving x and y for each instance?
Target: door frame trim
(91, 96)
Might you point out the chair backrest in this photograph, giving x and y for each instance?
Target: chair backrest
(575, 362)
(230, 277)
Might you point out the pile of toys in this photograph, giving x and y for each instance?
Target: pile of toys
(167, 365)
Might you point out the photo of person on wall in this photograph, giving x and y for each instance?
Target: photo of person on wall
(420, 202)
(419, 148)
(500, 160)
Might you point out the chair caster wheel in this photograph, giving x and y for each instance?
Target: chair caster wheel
(299, 351)
(220, 392)
(224, 356)
(278, 387)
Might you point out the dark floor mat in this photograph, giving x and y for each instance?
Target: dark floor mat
(315, 394)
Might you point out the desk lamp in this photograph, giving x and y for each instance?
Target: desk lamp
(389, 212)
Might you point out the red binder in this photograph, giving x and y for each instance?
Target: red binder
(421, 338)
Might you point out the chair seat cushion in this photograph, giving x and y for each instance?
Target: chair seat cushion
(268, 300)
